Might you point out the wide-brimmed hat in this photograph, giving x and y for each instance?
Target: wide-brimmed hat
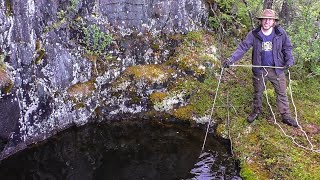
(268, 14)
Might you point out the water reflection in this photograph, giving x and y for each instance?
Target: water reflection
(124, 150)
(208, 168)
(202, 169)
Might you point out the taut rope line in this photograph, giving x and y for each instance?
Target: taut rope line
(214, 102)
(250, 66)
(275, 121)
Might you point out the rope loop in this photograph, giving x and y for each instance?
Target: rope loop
(311, 148)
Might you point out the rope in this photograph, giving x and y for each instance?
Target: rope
(242, 65)
(295, 110)
(274, 117)
(210, 117)
(275, 121)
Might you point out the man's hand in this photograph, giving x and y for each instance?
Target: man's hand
(226, 63)
(286, 67)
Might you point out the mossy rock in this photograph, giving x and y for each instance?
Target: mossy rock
(82, 90)
(150, 73)
(157, 97)
(6, 83)
(195, 53)
(184, 113)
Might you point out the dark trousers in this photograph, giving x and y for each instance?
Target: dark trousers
(279, 84)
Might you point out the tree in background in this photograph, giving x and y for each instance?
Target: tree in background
(304, 28)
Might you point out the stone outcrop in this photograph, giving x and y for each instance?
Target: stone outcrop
(63, 56)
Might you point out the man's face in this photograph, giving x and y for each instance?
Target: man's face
(267, 23)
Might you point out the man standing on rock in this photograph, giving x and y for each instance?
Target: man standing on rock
(271, 47)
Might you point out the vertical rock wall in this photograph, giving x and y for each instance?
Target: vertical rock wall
(52, 61)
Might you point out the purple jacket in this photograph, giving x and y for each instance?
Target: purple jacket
(281, 49)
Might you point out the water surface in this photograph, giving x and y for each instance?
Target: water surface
(124, 150)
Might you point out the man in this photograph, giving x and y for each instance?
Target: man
(270, 47)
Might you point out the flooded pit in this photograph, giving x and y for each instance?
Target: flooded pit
(124, 150)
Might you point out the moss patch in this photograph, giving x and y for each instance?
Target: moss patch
(150, 73)
(157, 97)
(183, 113)
(6, 83)
(197, 49)
(264, 151)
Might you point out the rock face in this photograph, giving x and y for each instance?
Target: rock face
(62, 57)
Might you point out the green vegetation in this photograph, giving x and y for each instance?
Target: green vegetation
(262, 148)
(192, 75)
(230, 18)
(304, 33)
(96, 40)
(196, 50)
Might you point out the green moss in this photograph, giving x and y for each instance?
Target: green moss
(247, 172)
(196, 50)
(7, 88)
(74, 4)
(41, 53)
(261, 147)
(151, 73)
(183, 113)
(195, 37)
(269, 151)
(55, 25)
(222, 131)
(6, 84)
(9, 11)
(157, 97)
(135, 99)
(155, 46)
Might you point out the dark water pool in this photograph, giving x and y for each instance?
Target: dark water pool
(124, 150)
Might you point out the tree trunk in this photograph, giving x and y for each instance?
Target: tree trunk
(267, 4)
(285, 12)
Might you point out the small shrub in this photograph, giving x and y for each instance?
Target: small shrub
(96, 40)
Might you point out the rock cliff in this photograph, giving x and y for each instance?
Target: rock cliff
(61, 61)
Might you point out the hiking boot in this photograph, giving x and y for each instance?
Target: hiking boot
(253, 116)
(289, 121)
